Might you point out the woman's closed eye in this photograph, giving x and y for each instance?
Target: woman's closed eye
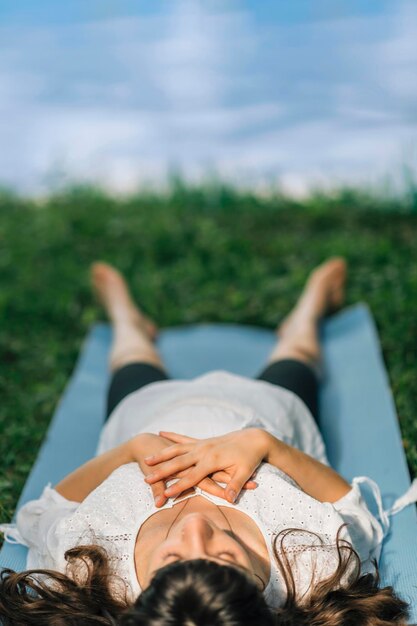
(173, 555)
(223, 556)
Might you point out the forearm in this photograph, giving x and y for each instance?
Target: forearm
(318, 480)
(82, 481)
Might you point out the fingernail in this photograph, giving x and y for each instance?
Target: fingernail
(232, 495)
(149, 458)
(159, 500)
(168, 491)
(149, 477)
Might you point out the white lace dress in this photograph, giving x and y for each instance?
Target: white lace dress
(211, 404)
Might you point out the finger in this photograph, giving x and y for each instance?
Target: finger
(193, 477)
(221, 476)
(224, 477)
(170, 468)
(235, 484)
(212, 487)
(166, 454)
(158, 493)
(176, 437)
(180, 474)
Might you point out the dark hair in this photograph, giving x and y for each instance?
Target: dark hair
(203, 593)
(330, 602)
(197, 593)
(75, 598)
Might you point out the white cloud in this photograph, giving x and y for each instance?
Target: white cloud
(121, 100)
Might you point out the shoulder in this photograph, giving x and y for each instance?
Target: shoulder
(279, 503)
(121, 496)
(46, 522)
(366, 531)
(37, 528)
(38, 516)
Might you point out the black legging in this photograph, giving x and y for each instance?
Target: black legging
(289, 373)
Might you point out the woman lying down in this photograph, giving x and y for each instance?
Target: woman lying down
(210, 501)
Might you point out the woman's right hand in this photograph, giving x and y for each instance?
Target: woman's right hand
(144, 444)
(236, 455)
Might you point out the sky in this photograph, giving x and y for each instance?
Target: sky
(295, 93)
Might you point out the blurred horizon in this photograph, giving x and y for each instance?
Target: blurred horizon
(120, 93)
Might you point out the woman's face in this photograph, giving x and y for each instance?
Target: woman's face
(195, 535)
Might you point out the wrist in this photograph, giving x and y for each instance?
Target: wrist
(262, 441)
(132, 447)
(276, 450)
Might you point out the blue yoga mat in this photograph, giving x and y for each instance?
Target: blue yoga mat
(358, 416)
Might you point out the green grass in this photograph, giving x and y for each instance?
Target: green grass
(207, 253)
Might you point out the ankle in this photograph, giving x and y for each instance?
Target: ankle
(301, 322)
(306, 308)
(119, 359)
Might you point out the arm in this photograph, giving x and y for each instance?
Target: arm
(239, 454)
(318, 480)
(82, 481)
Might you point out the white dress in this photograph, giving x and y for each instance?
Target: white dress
(212, 404)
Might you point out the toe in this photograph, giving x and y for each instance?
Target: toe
(100, 271)
(335, 267)
(105, 277)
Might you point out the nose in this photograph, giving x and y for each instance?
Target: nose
(196, 534)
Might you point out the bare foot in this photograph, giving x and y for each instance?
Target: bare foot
(113, 293)
(323, 294)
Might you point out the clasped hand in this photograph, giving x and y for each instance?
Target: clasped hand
(230, 459)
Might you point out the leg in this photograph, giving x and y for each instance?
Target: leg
(297, 376)
(295, 362)
(129, 378)
(134, 360)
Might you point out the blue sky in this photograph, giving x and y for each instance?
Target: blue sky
(295, 92)
(51, 12)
